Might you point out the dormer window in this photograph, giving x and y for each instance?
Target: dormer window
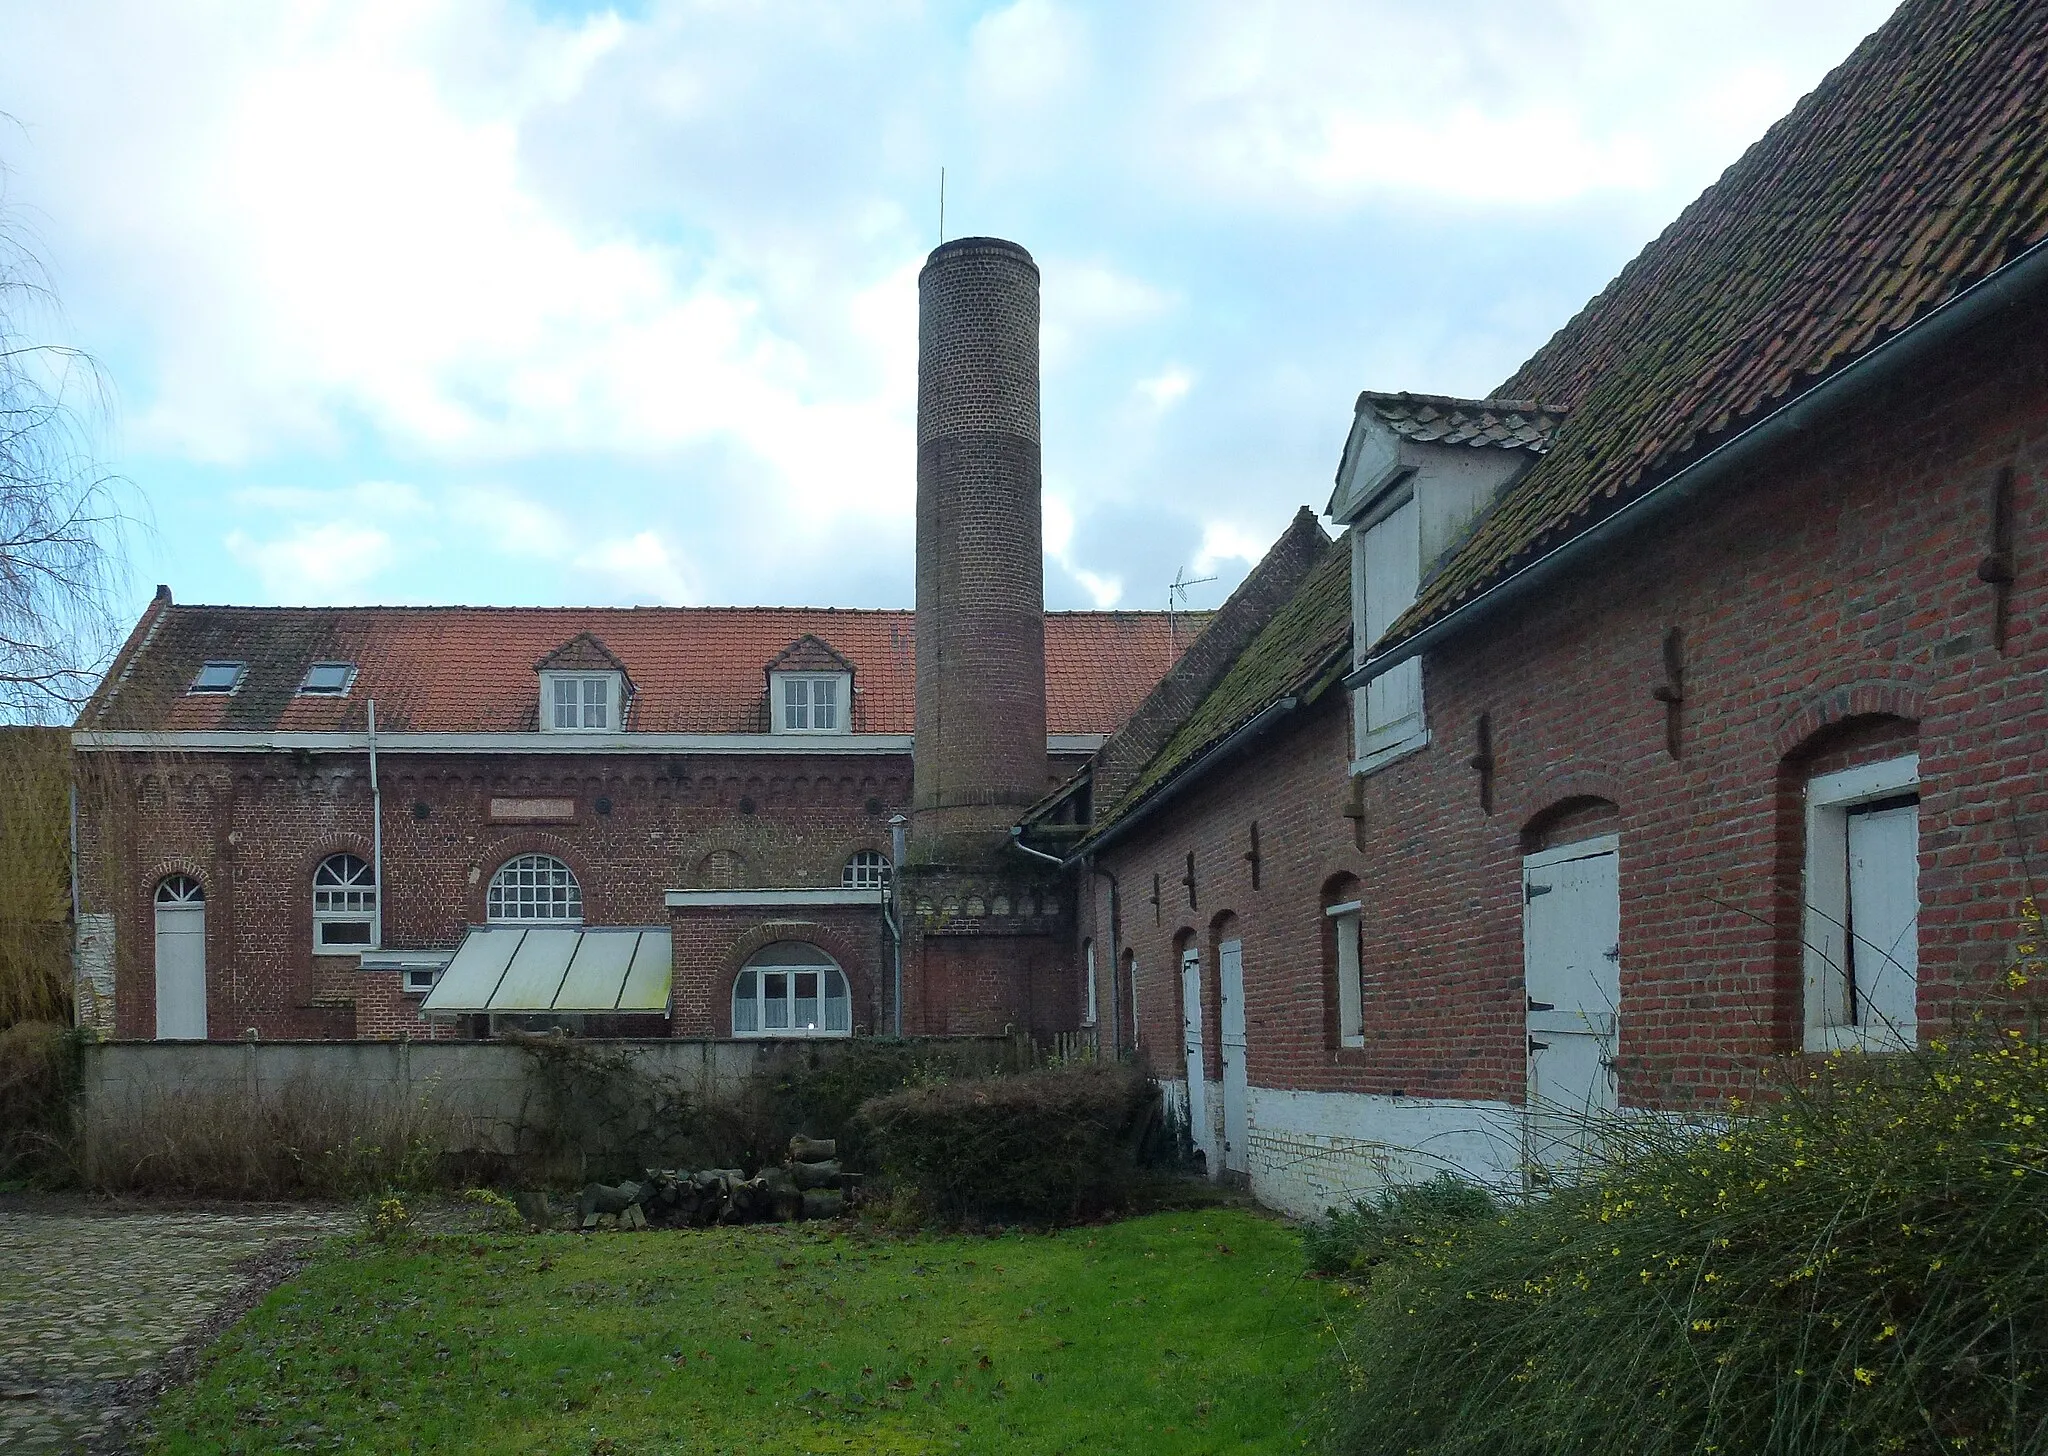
(579, 702)
(811, 702)
(328, 679)
(218, 677)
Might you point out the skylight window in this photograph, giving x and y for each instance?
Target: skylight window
(218, 677)
(328, 679)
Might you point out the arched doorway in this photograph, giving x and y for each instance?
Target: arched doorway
(180, 959)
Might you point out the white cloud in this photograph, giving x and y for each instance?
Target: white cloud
(641, 569)
(1026, 53)
(1167, 388)
(1224, 541)
(331, 561)
(510, 524)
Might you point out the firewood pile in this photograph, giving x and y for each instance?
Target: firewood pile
(810, 1183)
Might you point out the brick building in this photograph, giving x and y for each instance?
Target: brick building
(325, 822)
(1677, 708)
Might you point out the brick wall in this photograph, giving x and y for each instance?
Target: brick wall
(251, 828)
(1831, 614)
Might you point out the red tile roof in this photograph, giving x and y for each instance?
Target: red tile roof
(1917, 167)
(471, 669)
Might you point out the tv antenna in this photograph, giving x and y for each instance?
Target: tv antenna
(1177, 592)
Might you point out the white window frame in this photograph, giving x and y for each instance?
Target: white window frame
(1829, 1017)
(865, 869)
(1350, 972)
(1090, 1011)
(531, 863)
(344, 902)
(419, 980)
(612, 708)
(781, 686)
(755, 976)
(241, 676)
(348, 680)
(1375, 745)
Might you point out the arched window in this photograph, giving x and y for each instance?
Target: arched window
(867, 870)
(180, 890)
(344, 904)
(534, 887)
(791, 988)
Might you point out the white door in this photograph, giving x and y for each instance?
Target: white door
(1191, 1035)
(1236, 1086)
(180, 960)
(1571, 933)
(1884, 918)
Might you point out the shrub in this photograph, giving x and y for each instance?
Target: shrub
(1394, 1221)
(1044, 1146)
(307, 1140)
(1859, 1266)
(38, 1077)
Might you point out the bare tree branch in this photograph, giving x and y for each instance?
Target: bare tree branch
(61, 526)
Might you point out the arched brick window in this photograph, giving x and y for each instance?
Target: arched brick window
(867, 870)
(344, 904)
(791, 988)
(534, 887)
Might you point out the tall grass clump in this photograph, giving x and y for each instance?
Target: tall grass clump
(304, 1140)
(1858, 1265)
(1392, 1222)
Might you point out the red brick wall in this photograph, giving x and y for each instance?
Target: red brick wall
(712, 945)
(252, 828)
(1831, 613)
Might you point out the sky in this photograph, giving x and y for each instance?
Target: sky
(492, 302)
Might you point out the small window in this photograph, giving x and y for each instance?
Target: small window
(344, 904)
(218, 677)
(811, 703)
(791, 988)
(1088, 983)
(328, 679)
(1348, 968)
(579, 703)
(867, 870)
(534, 887)
(420, 979)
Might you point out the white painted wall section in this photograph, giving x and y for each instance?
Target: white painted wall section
(1310, 1151)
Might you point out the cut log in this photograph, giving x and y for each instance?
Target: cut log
(815, 1175)
(824, 1203)
(812, 1150)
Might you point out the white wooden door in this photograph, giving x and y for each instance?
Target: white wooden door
(1571, 932)
(1884, 918)
(1191, 1035)
(1236, 1085)
(181, 970)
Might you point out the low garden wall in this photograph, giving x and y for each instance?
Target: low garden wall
(487, 1096)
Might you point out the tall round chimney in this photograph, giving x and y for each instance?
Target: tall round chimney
(980, 754)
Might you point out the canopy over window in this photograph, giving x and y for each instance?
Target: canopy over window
(538, 970)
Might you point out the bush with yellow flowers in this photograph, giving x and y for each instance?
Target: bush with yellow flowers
(1855, 1264)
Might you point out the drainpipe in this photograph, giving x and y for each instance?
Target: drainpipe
(896, 823)
(1017, 842)
(376, 836)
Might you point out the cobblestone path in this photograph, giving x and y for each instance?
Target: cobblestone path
(92, 1301)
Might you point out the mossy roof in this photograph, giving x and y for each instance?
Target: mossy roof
(1302, 651)
(1916, 168)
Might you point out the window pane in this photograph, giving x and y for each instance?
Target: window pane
(746, 1012)
(825, 703)
(565, 702)
(345, 932)
(795, 698)
(775, 1001)
(595, 700)
(806, 999)
(838, 1007)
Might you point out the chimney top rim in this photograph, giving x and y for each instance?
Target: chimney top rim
(959, 246)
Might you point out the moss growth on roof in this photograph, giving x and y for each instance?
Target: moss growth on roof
(1919, 166)
(1302, 652)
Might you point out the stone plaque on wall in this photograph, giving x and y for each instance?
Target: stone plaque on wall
(532, 811)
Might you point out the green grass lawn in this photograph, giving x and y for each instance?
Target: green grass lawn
(1179, 1332)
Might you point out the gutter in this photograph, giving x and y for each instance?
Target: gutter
(1253, 727)
(1998, 289)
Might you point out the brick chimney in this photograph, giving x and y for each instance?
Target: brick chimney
(980, 756)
